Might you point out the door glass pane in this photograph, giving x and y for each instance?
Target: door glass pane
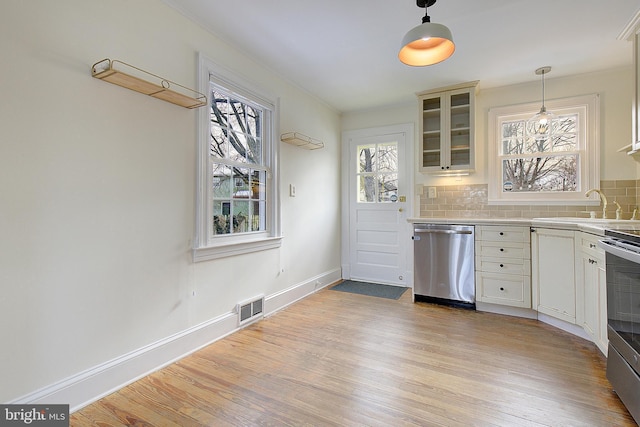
(377, 178)
(366, 158)
(366, 189)
(388, 188)
(387, 157)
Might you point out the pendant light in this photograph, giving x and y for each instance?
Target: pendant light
(539, 124)
(426, 44)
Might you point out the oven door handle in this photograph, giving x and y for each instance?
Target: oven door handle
(615, 248)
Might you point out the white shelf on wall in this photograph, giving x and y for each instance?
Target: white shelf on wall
(302, 141)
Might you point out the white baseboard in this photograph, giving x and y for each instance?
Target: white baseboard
(527, 313)
(88, 386)
(565, 326)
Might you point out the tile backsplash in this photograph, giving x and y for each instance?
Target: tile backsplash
(470, 201)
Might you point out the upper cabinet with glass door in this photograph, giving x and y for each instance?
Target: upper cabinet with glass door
(447, 129)
(631, 32)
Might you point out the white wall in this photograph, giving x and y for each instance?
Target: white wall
(615, 88)
(97, 187)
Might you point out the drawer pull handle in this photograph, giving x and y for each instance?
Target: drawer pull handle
(592, 246)
(501, 233)
(501, 265)
(502, 289)
(501, 249)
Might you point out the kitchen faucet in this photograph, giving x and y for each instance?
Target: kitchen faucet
(618, 210)
(602, 197)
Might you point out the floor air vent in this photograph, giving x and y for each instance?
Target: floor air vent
(250, 310)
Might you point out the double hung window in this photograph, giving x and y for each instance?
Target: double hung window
(237, 200)
(550, 164)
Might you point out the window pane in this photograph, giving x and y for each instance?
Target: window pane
(218, 142)
(254, 119)
(366, 189)
(513, 129)
(237, 117)
(219, 108)
(257, 220)
(554, 173)
(388, 188)
(513, 146)
(221, 181)
(366, 158)
(240, 216)
(565, 124)
(221, 217)
(387, 157)
(566, 142)
(258, 184)
(241, 189)
(538, 145)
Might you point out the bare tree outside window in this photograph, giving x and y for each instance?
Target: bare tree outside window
(546, 162)
(378, 173)
(239, 177)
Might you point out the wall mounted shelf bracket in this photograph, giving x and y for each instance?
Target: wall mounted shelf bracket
(147, 83)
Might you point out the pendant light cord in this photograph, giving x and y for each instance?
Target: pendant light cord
(543, 106)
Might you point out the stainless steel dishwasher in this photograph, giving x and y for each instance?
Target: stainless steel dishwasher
(444, 266)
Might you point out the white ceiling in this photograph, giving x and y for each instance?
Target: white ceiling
(345, 51)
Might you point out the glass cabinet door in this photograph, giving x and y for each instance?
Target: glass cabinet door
(431, 132)
(446, 125)
(460, 146)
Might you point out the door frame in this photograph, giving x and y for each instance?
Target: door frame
(408, 129)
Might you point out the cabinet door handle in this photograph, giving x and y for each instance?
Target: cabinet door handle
(501, 249)
(592, 246)
(501, 265)
(501, 233)
(502, 289)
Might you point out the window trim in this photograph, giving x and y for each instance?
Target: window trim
(205, 247)
(589, 106)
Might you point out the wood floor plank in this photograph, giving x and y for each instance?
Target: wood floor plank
(340, 359)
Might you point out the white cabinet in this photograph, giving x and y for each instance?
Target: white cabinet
(591, 279)
(447, 129)
(503, 268)
(553, 273)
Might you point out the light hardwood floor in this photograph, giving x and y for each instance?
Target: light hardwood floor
(339, 359)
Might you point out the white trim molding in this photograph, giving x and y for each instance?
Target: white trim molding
(99, 381)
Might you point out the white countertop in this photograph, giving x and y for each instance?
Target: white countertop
(590, 225)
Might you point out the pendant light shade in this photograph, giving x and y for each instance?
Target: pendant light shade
(426, 44)
(539, 124)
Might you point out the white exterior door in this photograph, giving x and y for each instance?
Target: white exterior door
(377, 198)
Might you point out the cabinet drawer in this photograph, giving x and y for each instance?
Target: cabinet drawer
(497, 233)
(503, 249)
(588, 243)
(504, 289)
(516, 266)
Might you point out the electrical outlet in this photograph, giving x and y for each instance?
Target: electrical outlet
(432, 193)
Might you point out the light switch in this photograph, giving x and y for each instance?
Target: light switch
(292, 190)
(432, 193)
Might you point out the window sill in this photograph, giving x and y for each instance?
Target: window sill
(238, 248)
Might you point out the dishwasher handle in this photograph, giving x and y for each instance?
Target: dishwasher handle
(427, 230)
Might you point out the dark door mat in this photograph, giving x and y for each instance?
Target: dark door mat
(370, 289)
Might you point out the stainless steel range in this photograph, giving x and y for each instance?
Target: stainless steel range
(622, 251)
